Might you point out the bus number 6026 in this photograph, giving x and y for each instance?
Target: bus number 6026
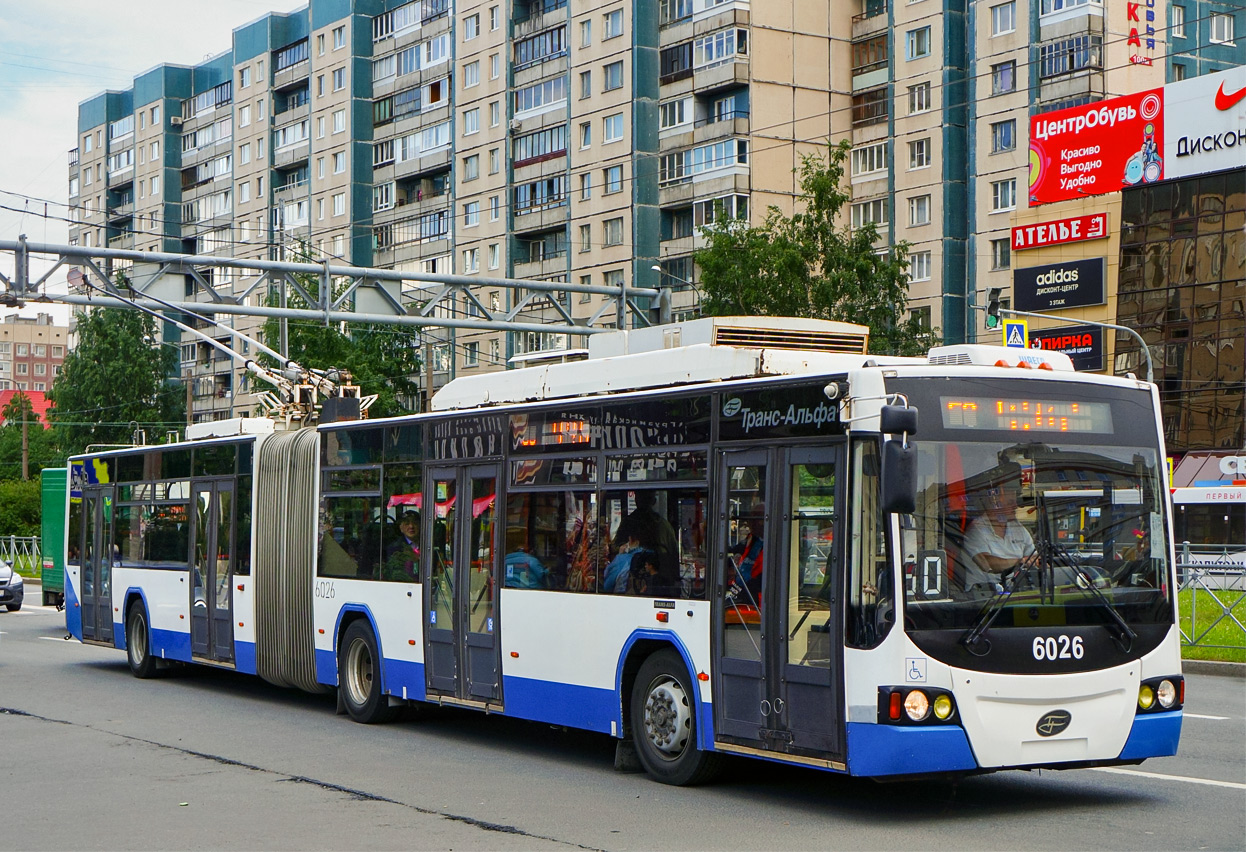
(1058, 648)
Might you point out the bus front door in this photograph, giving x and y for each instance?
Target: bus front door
(777, 637)
(212, 545)
(462, 658)
(97, 565)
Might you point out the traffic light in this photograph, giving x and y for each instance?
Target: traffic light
(992, 308)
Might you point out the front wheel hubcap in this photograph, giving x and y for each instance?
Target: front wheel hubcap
(668, 717)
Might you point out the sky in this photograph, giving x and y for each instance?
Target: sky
(55, 54)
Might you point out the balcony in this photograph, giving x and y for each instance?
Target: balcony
(73, 157)
(533, 16)
(296, 73)
(728, 74)
(871, 19)
(289, 155)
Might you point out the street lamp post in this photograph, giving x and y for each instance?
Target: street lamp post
(658, 269)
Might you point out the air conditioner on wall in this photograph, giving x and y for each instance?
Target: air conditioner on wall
(516, 124)
(175, 121)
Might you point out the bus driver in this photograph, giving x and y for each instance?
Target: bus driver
(996, 541)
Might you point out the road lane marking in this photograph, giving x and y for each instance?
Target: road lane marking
(1232, 785)
(1201, 716)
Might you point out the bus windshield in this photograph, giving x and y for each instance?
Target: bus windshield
(1047, 532)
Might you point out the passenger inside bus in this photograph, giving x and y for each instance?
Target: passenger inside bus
(402, 553)
(653, 532)
(523, 570)
(746, 583)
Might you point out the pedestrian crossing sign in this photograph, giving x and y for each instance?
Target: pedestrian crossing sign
(1016, 334)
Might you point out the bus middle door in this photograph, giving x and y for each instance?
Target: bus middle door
(463, 650)
(211, 602)
(778, 633)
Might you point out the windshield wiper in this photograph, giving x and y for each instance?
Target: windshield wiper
(986, 617)
(1122, 634)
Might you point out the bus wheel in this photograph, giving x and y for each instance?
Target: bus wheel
(664, 723)
(138, 643)
(359, 676)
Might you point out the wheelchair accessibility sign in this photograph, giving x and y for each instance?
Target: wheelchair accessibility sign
(1016, 334)
(915, 670)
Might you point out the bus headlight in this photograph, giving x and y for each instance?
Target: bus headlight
(916, 705)
(1159, 694)
(942, 706)
(1166, 693)
(1146, 697)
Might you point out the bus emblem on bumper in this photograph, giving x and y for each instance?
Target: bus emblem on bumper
(1053, 723)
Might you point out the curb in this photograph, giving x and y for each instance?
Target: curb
(1213, 667)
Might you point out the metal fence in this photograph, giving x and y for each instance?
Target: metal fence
(1204, 571)
(19, 550)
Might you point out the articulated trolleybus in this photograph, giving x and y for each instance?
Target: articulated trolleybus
(730, 535)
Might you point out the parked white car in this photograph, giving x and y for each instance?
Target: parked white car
(12, 590)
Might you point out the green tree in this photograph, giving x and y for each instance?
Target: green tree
(113, 379)
(808, 265)
(41, 450)
(20, 507)
(381, 359)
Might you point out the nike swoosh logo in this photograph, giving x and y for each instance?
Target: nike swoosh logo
(1226, 101)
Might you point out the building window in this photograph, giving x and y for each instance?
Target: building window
(471, 121)
(471, 27)
(1001, 253)
(612, 24)
(586, 33)
(586, 238)
(471, 214)
(865, 212)
(1004, 136)
(1221, 29)
(612, 232)
(1178, 72)
(613, 179)
(1176, 20)
(1004, 77)
(586, 186)
(1004, 194)
(612, 127)
(494, 256)
(339, 121)
(471, 167)
(339, 162)
(471, 74)
(244, 79)
(382, 197)
(495, 208)
(586, 134)
(870, 159)
(870, 107)
(495, 113)
(494, 18)
(919, 98)
(1070, 54)
(339, 37)
(495, 161)
(919, 153)
(919, 210)
(471, 353)
(586, 84)
(919, 266)
(614, 74)
(339, 79)
(471, 260)
(613, 278)
(1004, 18)
(917, 44)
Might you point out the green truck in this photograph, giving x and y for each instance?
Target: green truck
(52, 536)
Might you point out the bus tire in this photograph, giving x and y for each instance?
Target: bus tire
(359, 676)
(138, 643)
(13, 607)
(664, 723)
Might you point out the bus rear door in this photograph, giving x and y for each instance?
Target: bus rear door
(97, 563)
(777, 648)
(462, 658)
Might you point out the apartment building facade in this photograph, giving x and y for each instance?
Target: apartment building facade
(586, 141)
(32, 350)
